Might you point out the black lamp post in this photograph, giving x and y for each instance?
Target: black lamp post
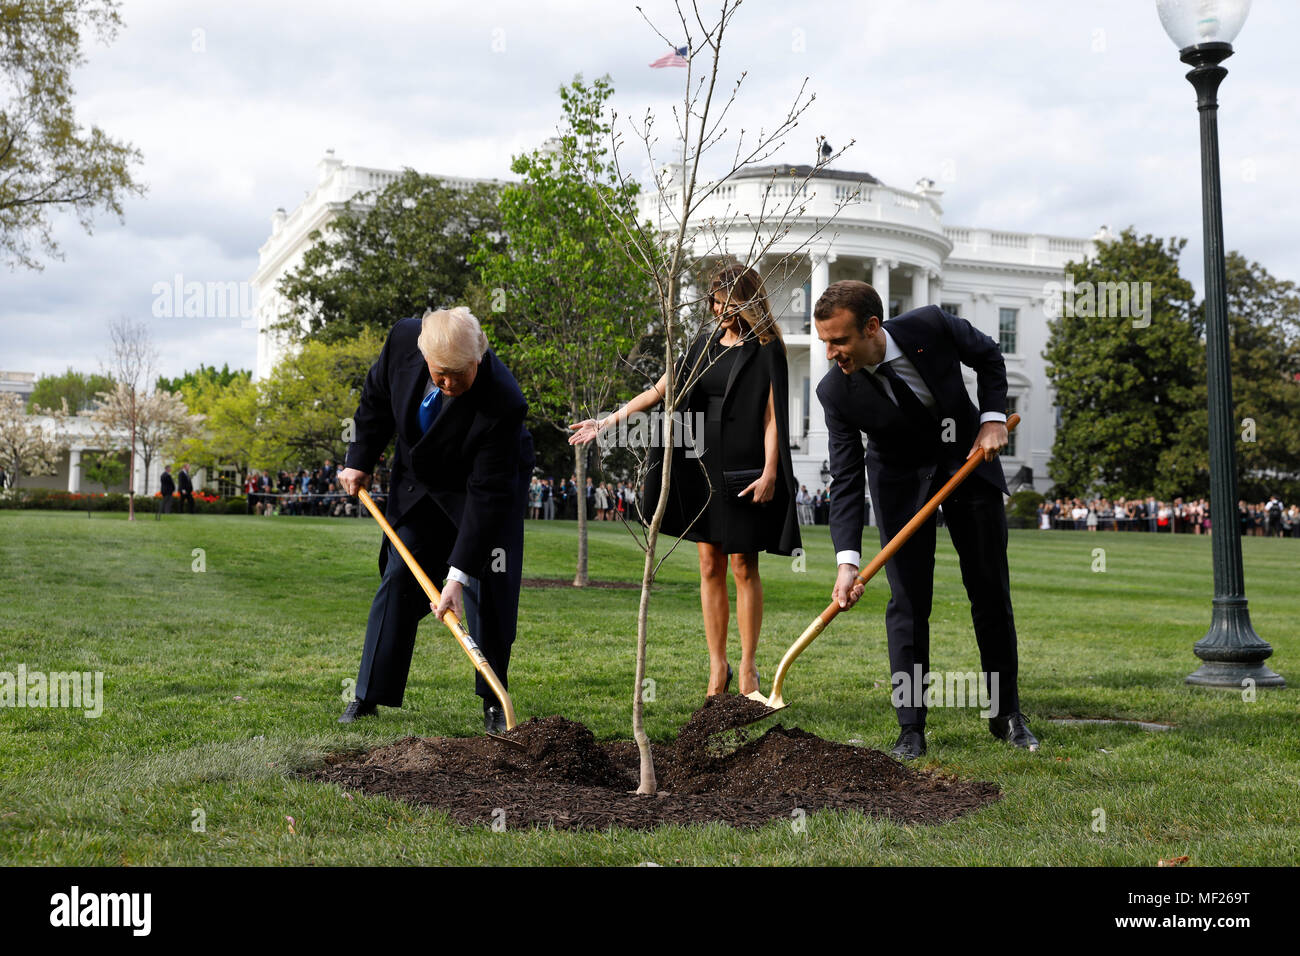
(1231, 651)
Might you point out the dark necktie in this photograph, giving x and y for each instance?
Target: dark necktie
(906, 399)
(429, 408)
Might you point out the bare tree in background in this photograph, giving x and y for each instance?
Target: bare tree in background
(131, 366)
(689, 233)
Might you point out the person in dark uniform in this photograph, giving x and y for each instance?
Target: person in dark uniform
(731, 488)
(187, 490)
(168, 488)
(458, 487)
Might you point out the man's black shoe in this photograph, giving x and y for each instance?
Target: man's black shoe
(494, 720)
(910, 743)
(1012, 729)
(357, 708)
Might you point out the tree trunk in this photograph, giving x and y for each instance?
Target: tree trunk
(580, 578)
(648, 784)
(130, 475)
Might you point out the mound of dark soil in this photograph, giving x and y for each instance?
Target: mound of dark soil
(721, 721)
(556, 774)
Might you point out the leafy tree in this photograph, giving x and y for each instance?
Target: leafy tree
(194, 380)
(226, 429)
(229, 432)
(1125, 385)
(1023, 505)
(105, 469)
(305, 405)
(569, 302)
(297, 416)
(1264, 346)
(406, 253)
(78, 389)
(1264, 317)
(48, 162)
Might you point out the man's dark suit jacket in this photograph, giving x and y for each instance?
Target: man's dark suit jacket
(166, 485)
(186, 486)
(470, 462)
(938, 344)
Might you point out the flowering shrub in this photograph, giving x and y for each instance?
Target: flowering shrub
(48, 499)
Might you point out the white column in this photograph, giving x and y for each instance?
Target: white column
(818, 445)
(920, 288)
(74, 470)
(936, 284)
(880, 282)
(139, 473)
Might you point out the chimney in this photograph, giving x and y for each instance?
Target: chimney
(328, 165)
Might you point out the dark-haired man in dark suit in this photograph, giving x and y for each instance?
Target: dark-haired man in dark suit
(900, 382)
(167, 486)
(458, 487)
(186, 488)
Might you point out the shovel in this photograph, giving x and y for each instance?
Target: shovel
(449, 616)
(777, 701)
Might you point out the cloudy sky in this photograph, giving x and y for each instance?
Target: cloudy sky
(1036, 115)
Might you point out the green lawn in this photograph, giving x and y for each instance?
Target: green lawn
(220, 683)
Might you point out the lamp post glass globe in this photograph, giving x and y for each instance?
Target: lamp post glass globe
(1194, 22)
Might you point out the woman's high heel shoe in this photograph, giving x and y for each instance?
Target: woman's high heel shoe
(726, 688)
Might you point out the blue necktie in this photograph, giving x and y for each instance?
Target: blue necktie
(429, 408)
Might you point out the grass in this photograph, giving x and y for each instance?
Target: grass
(219, 683)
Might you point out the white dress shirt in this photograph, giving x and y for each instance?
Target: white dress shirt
(453, 574)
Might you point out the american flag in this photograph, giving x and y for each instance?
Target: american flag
(676, 58)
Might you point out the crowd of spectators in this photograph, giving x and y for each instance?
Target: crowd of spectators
(551, 500)
(813, 508)
(1270, 518)
(314, 492)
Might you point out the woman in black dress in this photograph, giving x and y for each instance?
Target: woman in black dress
(732, 489)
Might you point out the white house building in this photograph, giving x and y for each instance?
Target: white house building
(281, 254)
(846, 225)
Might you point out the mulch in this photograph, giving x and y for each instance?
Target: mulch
(558, 775)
